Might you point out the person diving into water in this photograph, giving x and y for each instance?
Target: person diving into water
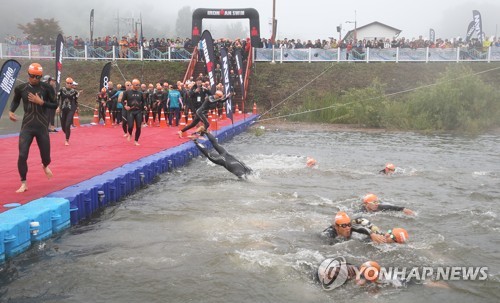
(221, 157)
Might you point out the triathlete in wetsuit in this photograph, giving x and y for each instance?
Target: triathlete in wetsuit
(371, 203)
(222, 157)
(102, 100)
(51, 113)
(209, 104)
(388, 169)
(121, 107)
(134, 104)
(342, 228)
(111, 103)
(37, 97)
(68, 104)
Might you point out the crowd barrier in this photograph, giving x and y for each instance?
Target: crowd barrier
(367, 55)
(281, 55)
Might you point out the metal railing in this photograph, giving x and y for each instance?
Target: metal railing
(29, 51)
(367, 55)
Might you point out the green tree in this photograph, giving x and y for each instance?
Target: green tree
(41, 31)
(183, 23)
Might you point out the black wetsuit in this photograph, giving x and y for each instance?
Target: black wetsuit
(331, 234)
(384, 207)
(68, 102)
(223, 158)
(209, 104)
(102, 98)
(135, 100)
(155, 105)
(35, 123)
(111, 103)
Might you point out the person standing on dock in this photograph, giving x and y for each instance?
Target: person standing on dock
(37, 97)
(121, 107)
(68, 105)
(134, 104)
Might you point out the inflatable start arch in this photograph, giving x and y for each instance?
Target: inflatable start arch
(219, 13)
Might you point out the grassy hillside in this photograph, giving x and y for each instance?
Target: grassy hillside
(317, 85)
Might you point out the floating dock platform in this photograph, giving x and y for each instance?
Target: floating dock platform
(99, 167)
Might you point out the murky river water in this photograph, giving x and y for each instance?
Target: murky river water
(200, 235)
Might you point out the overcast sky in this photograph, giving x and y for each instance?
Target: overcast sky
(310, 19)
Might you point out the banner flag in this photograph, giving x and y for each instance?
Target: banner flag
(92, 26)
(470, 31)
(239, 64)
(106, 70)
(478, 26)
(8, 75)
(207, 45)
(59, 50)
(432, 35)
(227, 82)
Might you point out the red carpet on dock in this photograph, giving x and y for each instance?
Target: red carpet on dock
(93, 150)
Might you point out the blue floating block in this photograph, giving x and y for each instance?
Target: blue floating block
(16, 233)
(39, 219)
(59, 212)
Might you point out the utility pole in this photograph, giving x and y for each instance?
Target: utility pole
(355, 27)
(273, 37)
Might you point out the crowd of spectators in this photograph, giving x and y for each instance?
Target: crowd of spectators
(132, 42)
(380, 43)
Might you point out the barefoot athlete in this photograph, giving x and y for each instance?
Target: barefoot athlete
(37, 97)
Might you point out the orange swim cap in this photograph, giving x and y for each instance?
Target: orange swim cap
(35, 69)
(370, 270)
(369, 198)
(390, 166)
(341, 218)
(310, 162)
(400, 235)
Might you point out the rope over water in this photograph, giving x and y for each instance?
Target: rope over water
(344, 104)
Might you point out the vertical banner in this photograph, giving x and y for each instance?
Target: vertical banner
(478, 26)
(106, 70)
(8, 75)
(92, 27)
(227, 82)
(207, 44)
(59, 49)
(239, 64)
(470, 31)
(432, 35)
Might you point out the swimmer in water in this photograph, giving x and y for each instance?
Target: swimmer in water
(311, 162)
(221, 157)
(395, 235)
(371, 203)
(342, 228)
(388, 169)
